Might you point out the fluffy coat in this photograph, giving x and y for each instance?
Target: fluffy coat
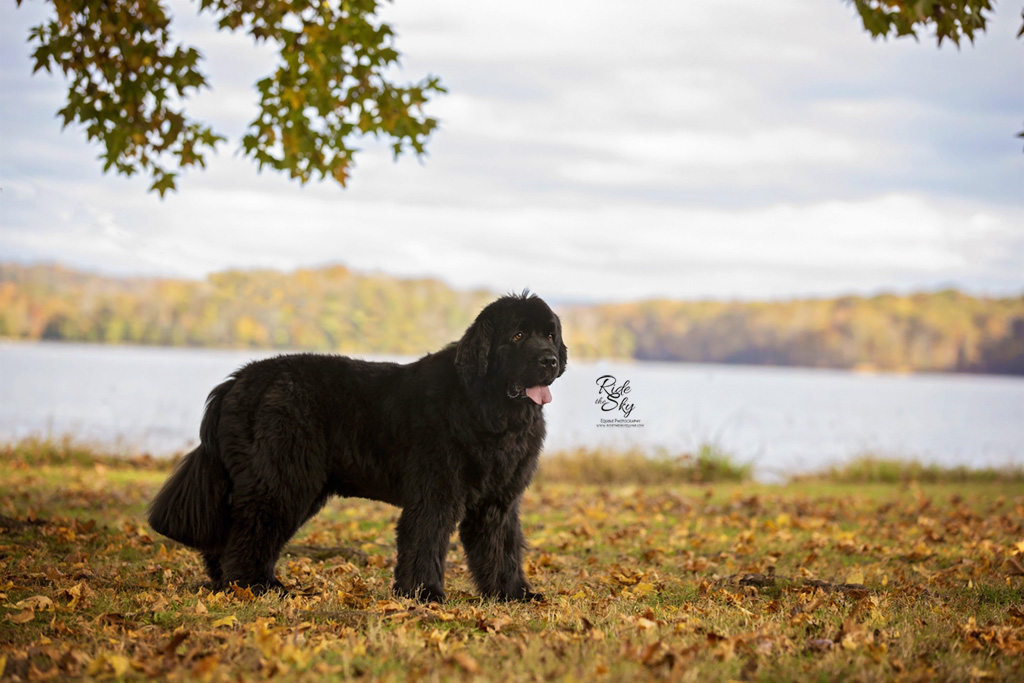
(452, 438)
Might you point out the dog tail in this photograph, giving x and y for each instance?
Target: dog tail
(193, 507)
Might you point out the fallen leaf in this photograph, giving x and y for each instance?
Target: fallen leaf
(639, 590)
(114, 619)
(26, 615)
(120, 664)
(178, 638)
(229, 621)
(268, 643)
(205, 666)
(465, 661)
(78, 594)
(644, 624)
(820, 644)
(388, 607)
(108, 665)
(243, 593)
(40, 602)
(493, 625)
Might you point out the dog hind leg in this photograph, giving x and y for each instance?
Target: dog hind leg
(280, 481)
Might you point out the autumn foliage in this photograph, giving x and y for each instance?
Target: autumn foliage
(710, 582)
(129, 80)
(336, 309)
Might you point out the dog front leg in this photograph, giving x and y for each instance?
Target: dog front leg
(422, 536)
(493, 539)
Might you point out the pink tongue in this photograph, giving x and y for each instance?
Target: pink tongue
(539, 394)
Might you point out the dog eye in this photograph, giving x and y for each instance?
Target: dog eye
(551, 337)
(518, 336)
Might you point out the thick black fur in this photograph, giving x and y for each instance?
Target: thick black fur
(451, 438)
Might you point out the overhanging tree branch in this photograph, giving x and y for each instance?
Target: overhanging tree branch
(952, 19)
(129, 82)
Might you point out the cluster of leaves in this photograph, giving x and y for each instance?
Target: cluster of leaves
(338, 310)
(952, 19)
(129, 80)
(731, 582)
(127, 83)
(330, 86)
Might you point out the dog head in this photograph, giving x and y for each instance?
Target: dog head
(514, 346)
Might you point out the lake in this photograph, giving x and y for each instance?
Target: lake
(784, 420)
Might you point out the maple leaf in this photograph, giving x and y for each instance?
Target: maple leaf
(229, 621)
(243, 593)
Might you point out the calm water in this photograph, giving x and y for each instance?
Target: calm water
(783, 420)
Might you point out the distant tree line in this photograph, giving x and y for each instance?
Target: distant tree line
(326, 309)
(944, 331)
(335, 309)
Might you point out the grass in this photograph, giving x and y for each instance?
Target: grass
(586, 466)
(646, 577)
(872, 468)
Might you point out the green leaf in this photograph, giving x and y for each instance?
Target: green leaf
(163, 182)
(128, 84)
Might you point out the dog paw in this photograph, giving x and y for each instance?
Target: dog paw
(253, 589)
(421, 593)
(522, 595)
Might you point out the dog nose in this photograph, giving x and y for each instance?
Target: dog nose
(548, 361)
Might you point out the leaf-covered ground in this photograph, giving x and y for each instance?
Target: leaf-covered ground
(734, 581)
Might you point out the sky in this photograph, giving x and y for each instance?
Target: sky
(589, 150)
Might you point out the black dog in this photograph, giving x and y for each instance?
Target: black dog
(452, 438)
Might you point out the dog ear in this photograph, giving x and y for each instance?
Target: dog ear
(472, 351)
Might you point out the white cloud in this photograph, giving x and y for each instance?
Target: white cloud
(593, 150)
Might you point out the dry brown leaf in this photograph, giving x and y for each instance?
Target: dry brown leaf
(243, 593)
(466, 662)
(39, 602)
(820, 644)
(177, 639)
(26, 615)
